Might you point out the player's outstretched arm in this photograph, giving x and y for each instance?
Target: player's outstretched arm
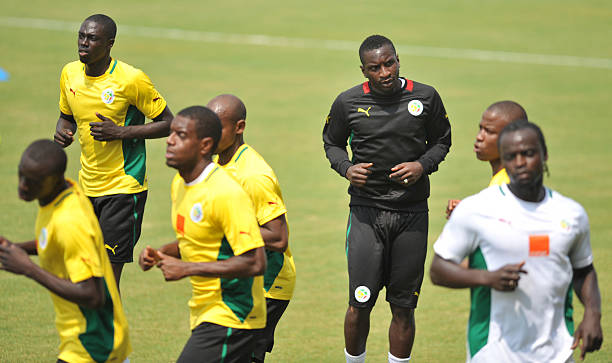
(450, 274)
(64, 130)
(275, 234)
(87, 293)
(107, 130)
(589, 333)
(250, 263)
(29, 246)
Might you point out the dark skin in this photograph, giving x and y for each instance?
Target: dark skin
(94, 45)
(39, 181)
(485, 146)
(381, 68)
(190, 156)
(275, 233)
(523, 157)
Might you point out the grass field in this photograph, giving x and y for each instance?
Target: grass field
(474, 52)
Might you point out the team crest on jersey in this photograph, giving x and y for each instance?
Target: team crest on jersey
(108, 96)
(196, 213)
(43, 239)
(362, 294)
(415, 107)
(565, 226)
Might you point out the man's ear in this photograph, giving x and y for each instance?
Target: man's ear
(363, 70)
(206, 146)
(111, 42)
(240, 126)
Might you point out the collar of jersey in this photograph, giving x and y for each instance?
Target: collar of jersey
(61, 196)
(203, 175)
(109, 70)
(507, 193)
(239, 152)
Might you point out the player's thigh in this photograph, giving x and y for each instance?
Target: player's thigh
(265, 338)
(120, 218)
(407, 260)
(212, 343)
(365, 253)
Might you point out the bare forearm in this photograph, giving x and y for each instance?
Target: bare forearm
(29, 247)
(589, 293)
(152, 130)
(251, 263)
(453, 275)
(171, 249)
(84, 294)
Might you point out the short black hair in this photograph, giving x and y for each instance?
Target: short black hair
(108, 24)
(374, 42)
(49, 155)
(522, 125)
(511, 109)
(207, 123)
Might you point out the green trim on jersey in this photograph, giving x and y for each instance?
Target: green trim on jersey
(240, 154)
(480, 309)
(99, 336)
(502, 191)
(61, 199)
(134, 151)
(236, 293)
(276, 260)
(135, 220)
(569, 310)
(113, 68)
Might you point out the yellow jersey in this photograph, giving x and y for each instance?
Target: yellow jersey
(257, 178)
(500, 178)
(70, 246)
(125, 95)
(214, 220)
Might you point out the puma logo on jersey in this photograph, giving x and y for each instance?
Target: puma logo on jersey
(112, 249)
(73, 92)
(367, 112)
(272, 203)
(247, 233)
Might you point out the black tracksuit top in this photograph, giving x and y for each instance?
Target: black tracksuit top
(409, 125)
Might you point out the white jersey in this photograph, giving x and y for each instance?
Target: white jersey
(533, 323)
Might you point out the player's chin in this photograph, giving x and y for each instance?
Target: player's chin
(171, 163)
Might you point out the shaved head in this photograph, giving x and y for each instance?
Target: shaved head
(48, 157)
(108, 25)
(228, 107)
(507, 111)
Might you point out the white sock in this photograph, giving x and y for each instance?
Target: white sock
(394, 359)
(354, 358)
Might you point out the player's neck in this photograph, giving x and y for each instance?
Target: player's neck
(530, 193)
(496, 166)
(61, 185)
(98, 68)
(190, 174)
(226, 155)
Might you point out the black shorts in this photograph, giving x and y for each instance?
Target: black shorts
(120, 217)
(212, 343)
(265, 339)
(385, 248)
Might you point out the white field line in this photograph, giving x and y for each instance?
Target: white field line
(278, 41)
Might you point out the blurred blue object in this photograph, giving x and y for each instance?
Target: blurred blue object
(4, 76)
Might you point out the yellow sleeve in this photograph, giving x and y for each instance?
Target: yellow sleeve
(63, 101)
(266, 197)
(81, 257)
(234, 212)
(145, 97)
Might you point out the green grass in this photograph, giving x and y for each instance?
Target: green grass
(288, 92)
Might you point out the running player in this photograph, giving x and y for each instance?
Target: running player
(107, 101)
(259, 181)
(527, 246)
(74, 266)
(218, 246)
(399, 132)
